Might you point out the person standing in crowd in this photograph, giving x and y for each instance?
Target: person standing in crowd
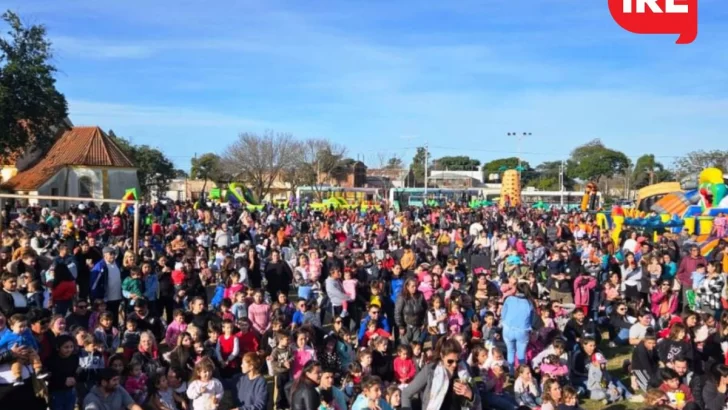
(517, 317)
(106, 282)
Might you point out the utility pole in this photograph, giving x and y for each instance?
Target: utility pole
(562, 168)
(426, 161)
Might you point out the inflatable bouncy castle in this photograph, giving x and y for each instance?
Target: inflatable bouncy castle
(511, 188)
(693, 210)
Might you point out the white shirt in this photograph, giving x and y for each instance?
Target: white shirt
(476, 228)
(113, 284)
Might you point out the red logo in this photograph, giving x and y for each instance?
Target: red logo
(658, 17)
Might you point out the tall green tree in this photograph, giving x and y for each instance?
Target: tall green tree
(31, 108)
(456, 163)
(154, 169)
(206, 166)
(593, 161)
(394, 163)
(418, 165)
(497, 166)
(547, 175)
(647, 170)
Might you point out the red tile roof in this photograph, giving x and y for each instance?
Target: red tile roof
(85, 146)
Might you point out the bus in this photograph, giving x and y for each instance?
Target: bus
(405, 197)
(568, 199)
(307, 194)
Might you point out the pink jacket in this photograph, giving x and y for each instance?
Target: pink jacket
(230, 291)
(135, 385)
(658, 297)
(582, 286)
(554, 370)
(174, 330)
(300, 358)
(259, 315)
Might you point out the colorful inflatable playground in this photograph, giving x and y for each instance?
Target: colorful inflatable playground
(236, 195)
(694, 210)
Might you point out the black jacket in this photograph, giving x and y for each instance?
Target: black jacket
(61, 369)
(305, 397)
(410, 311)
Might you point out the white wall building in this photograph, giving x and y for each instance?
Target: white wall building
(83, 162)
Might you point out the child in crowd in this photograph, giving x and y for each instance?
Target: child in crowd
(371, 395)
(132, 287)
(455, 320)
(239, 309)
(526, 389)
(35, 295)
(349, 284)
(20, 336)
(107, 334)
(204, 390)
(130, 338)
(495, 393)
(99, 307)
(393, 395)
(176, 328)
(159, 395)
(136, 382)
(62, 367)
(228, 349)
(404, 367)
(571, 399)
(281, 360)
(90, 364)
(226, 310)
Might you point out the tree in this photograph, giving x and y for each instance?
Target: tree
(181, 173)
(31, 109)
(206, 166)
(154, 169)
(394, 163)
(258, 160)
(593, 160)
(497, 166)
(456, 163)
(547, 177)
(317, 162)
(694, 162)
(418, 165)
(649, 171)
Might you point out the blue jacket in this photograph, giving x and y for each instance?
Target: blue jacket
(25, 339)
(218, 296)
(99, 280)
(151, 287)
(396, 284)
(383, 323)
(517, 313)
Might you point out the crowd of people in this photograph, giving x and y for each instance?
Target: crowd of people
(428, 308)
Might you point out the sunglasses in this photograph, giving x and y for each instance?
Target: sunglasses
(451, 361)
(82, 306)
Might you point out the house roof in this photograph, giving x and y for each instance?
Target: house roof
(85, 146)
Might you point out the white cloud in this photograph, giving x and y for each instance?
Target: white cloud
(102, 113)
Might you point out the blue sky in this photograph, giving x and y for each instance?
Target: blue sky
(382, 77)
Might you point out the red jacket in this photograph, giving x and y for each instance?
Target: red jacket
(64, 292)
(404, 370)
(248, 342)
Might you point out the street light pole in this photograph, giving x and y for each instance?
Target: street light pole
(426, 161)
(520, 137)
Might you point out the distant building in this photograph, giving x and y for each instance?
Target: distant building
(386, 178)
(354, 176)
(456, 179)
(83, 162)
